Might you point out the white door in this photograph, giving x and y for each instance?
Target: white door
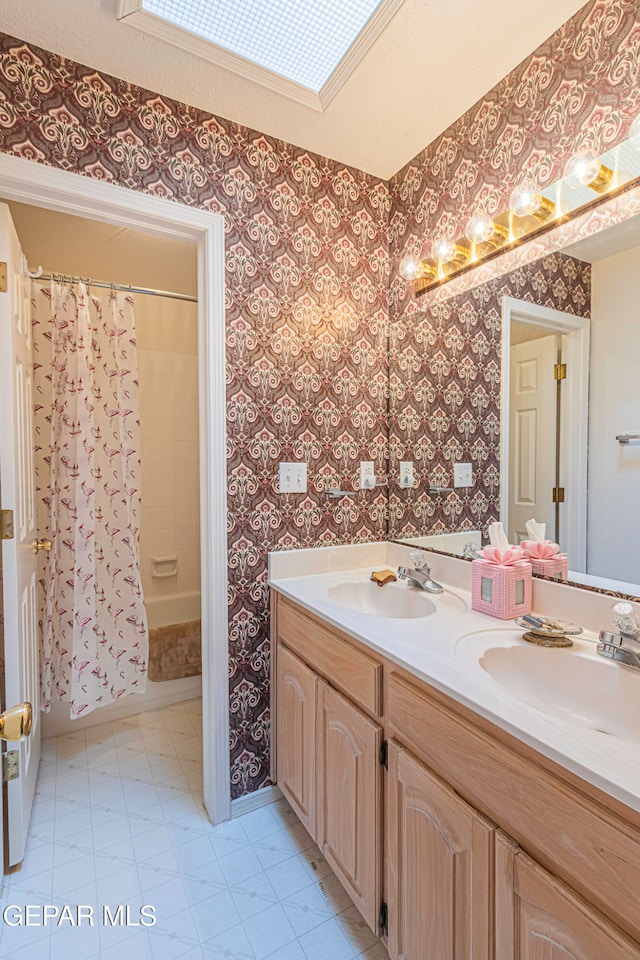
(18, 559)
(532, 436)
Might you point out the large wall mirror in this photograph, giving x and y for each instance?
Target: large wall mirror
(532, 377)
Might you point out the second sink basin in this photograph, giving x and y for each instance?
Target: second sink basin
(573, 684)
(393, 601)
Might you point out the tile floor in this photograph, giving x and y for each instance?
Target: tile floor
(118, 819)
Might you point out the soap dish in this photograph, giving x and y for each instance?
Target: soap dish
(548, 632)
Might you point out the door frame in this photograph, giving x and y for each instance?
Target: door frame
(34, 183)
(575, 332)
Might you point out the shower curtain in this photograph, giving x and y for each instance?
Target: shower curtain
(94, 628)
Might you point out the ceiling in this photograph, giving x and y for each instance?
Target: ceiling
(431, 63)
(61, 243)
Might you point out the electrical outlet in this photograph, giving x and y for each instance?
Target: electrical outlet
(367, 474)
(462, 475)
(406, 478)
(292, 477)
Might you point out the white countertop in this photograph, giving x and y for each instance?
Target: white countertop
(444, 651)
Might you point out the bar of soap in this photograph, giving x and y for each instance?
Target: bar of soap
(383, 576)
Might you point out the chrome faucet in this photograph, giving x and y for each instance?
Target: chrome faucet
(623, 647)
(420, 574)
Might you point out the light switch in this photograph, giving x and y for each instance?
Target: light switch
(367, 474)
(406, 478)
(292, 477)
(462, 475)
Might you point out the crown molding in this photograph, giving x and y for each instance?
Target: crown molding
(133, 13)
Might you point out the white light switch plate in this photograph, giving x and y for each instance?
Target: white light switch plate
(406, 478)
(367, 474)
(462, 475)
(292, 477)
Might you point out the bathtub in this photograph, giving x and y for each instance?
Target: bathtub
(174, 608)
(161, 611)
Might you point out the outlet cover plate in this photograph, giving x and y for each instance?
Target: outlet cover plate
(367, 474)
(406, 478)
(463, 475)
(292, 477)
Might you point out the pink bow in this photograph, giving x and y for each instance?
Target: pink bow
(540, 550)
(502, 557)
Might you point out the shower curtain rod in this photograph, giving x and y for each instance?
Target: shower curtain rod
(115, 286)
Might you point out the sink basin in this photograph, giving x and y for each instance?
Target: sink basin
(393, 601)
(573, 684)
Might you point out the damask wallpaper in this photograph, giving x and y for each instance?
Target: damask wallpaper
(445, 394)
(579, 89)
(309, 284)
(307, 280)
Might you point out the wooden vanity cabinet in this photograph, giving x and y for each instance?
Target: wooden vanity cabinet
(296, 734)
(327, 749)
(439, 868)
(479, 847)
(349, 798)
(539, 918)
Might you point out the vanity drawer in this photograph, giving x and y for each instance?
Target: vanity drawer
(556, 817)
(339, 661)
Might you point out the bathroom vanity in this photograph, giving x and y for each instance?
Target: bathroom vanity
(464, 822)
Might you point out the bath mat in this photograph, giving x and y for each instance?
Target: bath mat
(175, 651)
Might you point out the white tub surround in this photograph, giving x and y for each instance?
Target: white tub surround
(442, 650)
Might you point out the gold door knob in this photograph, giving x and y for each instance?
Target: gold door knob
(15, 723)
(41, 545)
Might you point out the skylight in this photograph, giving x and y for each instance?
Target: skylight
(300, 40)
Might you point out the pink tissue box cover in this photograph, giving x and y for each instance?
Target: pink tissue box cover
(550, 568)
(504, 578)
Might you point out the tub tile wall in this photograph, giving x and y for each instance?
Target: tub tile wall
(167, 334)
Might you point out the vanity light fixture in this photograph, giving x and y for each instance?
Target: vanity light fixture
(449, 251)
(413, 269)
(409, 267)
(526, 200)
(585, 170)
(529, 213)
(482, 228)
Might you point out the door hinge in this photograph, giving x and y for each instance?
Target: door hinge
(383, 754)
(10, 765)
(383, 918)
(3, 277)
(560, 371)
(6, 524)
(557, 495)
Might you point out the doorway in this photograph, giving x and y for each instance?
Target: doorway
(55, 190)
(533, 336)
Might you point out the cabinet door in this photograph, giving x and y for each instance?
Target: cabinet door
(538, 918)
(440, 860)
(296, 734)
(349, 799)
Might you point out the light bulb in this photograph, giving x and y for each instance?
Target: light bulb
(409, 267)
(443, 250)
(582, 169)
(480, 228)
(525, 199)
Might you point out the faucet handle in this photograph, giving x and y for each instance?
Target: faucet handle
(419, 560)
(626, 618)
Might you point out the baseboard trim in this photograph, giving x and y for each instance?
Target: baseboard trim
(255, 800)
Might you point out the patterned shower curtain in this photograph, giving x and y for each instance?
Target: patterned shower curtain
(94, 627)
